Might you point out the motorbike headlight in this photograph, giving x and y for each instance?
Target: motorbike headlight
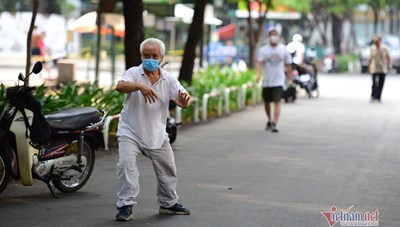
(171, 120)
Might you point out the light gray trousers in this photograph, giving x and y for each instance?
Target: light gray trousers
(128, 173)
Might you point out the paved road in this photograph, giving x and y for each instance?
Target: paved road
(337, 150)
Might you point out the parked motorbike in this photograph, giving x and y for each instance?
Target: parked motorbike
(65, 160)
(172, 124)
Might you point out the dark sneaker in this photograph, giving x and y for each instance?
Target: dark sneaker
(124, 213)
(175, 209)
(269, 126)
(273, 127)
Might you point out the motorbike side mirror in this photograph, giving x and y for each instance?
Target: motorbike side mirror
(21, 77)
(163, 64)
(37, 67)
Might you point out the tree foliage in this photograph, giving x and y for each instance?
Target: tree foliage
(15, 5)
(255, 26)
(338, 11)
(45, 6)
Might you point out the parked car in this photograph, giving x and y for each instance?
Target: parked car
(391, 42)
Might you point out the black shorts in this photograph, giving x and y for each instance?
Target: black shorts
(36, 51)
(272, 94)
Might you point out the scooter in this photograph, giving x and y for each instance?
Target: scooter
(306, 79)
(65, 159)
(172, 124)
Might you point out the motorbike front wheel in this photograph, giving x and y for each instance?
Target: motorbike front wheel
(74, 183)
(4, 171)
(314, 93)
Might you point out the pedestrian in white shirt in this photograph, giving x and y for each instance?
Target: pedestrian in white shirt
(274, 61)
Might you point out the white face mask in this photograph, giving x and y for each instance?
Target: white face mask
(274, 39)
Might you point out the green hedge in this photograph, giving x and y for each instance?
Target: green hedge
(74, 94)
(343, 61)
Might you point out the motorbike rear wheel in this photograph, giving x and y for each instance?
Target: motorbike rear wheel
(314, 93)
(172, 134)
(77, 182)
(4, 171)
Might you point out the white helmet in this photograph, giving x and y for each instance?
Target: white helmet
(297, 38)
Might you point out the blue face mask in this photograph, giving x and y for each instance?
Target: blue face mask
(151, 64)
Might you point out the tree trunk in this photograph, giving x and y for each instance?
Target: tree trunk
(337, 33)
(321, 20)
(195, 33)
(375, 20)
(383, 21)
(252, 41)
(391, 20)
(325, 31)
(353, 31)
(321, 32)
(261, 19)
(29, 38)
(134, 32)
(398, 20)
(255, 35)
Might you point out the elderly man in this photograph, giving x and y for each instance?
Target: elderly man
(141, 129)
(379, 65)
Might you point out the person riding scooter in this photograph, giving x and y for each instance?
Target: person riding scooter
(304, 75)
(297, 49)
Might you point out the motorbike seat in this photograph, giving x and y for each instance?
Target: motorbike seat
(73, 118)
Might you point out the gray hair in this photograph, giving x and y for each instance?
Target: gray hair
(153, 41)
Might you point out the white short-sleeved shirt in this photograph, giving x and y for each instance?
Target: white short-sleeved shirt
(300, 50)
(273, 60)
(146, 122)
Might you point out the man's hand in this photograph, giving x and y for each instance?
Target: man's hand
(149, 94)
(183, 100)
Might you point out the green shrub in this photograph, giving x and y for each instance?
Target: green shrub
(3, 101)
(343, 61)
(216, 79)
(74, 94)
